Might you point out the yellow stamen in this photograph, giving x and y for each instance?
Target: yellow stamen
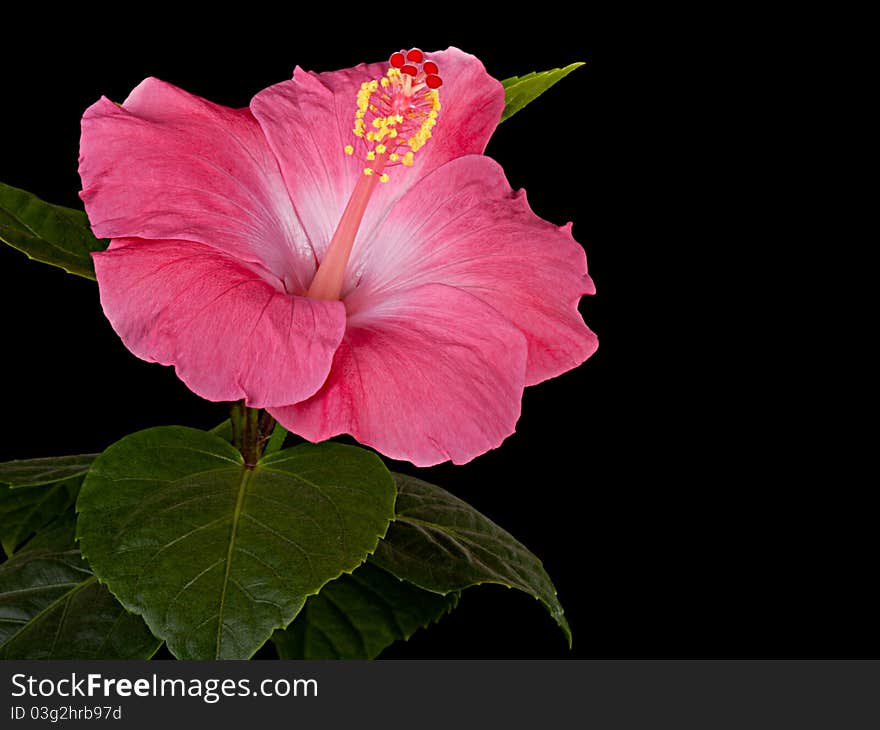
(395, 116)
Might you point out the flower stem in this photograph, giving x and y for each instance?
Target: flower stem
(251, 429)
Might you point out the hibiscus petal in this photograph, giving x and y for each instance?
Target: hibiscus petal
(427, 375)
(464, 226)
(229, 334)
(170, 165)
(309, 119)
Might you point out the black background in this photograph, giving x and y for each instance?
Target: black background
(665, 483)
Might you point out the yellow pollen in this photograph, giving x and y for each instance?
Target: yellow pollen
(394, 117)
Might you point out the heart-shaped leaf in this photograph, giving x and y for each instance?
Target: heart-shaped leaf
(49, 233)
(52, 606)
(216, 555)
(442, 544)
(46, 470)
(522, 90)
(358, 615)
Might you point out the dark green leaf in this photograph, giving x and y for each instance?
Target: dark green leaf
(49, 233)
(442, 544)
(47, 470)
(522, 90)
(358, 615)
(25, 511)
(215, 555)
(33, 492)
(52, 607)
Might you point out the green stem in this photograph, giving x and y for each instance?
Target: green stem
(251, 429)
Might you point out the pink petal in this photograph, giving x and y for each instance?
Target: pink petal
(170, 165)
(427, 375)
(463, 226)
(229, 334)
(308, 120)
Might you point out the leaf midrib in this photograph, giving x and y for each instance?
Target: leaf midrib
(246, 475)
(65, 596)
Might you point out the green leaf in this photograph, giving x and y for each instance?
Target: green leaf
(33, 492)
(25, 511)
(442, 544)
(522, 90)
(47, 470)
(223, 430)
(215, 555)
(49, 233)
(358, 615)
(53, 607)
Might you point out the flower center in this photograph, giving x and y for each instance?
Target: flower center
(393, 121)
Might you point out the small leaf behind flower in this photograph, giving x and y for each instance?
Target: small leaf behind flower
(522, 90)
(358, 615)
(52, 606)
(48, 233)
(442, 544)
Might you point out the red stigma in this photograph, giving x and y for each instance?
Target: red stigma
(412, 63)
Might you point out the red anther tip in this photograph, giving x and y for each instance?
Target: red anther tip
(433, 81)
(397, 60)
(411, 70)
(430, 68)
(415, 56)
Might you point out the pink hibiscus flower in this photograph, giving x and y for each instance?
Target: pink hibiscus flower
(340, 253)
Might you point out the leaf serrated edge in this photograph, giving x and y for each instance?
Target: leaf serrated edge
(557, 612)
(514, 81)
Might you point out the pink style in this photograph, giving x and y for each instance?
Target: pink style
(340, 253)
